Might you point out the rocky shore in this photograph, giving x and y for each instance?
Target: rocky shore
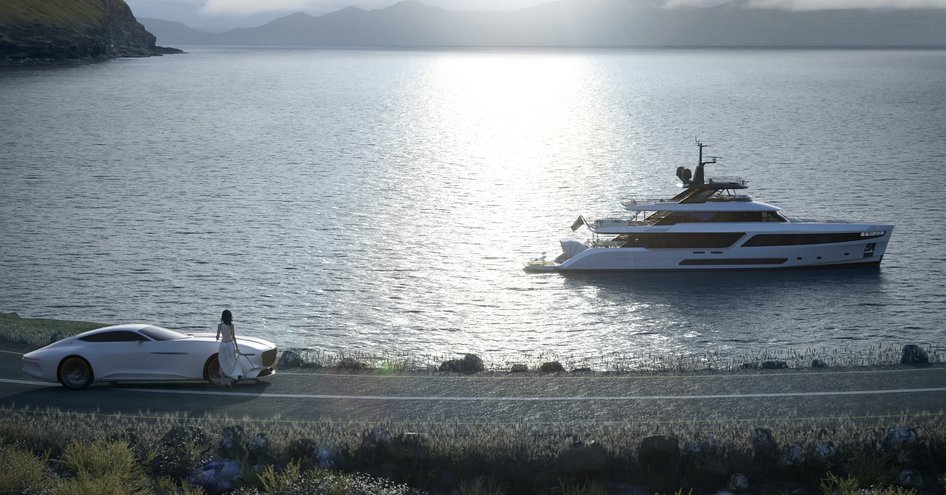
(72, 31)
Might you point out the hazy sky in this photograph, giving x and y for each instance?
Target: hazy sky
(226, 14)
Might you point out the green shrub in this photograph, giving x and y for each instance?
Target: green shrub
(21, 471)
(103, 467)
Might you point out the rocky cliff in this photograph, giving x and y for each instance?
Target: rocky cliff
(56, 31)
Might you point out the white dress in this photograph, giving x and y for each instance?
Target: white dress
(228, 355)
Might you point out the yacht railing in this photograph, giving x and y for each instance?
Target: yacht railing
(645, 201)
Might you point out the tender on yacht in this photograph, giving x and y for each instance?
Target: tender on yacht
(711, 226)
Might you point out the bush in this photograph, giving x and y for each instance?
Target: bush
(21, 471)
(103, 467)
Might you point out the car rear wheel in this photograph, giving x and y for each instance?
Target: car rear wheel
(212, 370)
(75, 373)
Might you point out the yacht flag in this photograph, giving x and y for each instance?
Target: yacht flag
(578, 223)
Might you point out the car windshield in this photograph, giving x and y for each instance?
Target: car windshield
(158, 333)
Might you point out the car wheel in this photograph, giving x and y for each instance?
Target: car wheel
(212, 370)
(75, 373)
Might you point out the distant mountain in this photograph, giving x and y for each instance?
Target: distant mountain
(175, 33)
(52, 31)
(589, 23)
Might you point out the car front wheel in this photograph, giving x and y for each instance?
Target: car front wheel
(75, 373)
(212, 370)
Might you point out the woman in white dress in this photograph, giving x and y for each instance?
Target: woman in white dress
(230, 368)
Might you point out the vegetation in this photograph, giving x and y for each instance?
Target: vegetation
(59, 13)
(74, 453)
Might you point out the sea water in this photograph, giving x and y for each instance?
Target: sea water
(384, 202)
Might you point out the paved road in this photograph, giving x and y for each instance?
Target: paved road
(726, 397)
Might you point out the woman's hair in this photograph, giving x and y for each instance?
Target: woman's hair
(227, 317)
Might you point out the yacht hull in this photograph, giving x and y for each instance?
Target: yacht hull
(868, 249)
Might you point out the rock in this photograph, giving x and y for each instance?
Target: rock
(217, 476)
(325, 458)
(582, 370)
(659, 458)
(180, 451)
(910, 479)
(749, 366)
(410, 447)
(914, 354)
(552, 367)
(231, 442)
(817, 363)
(471, 363)
(94, 31)
(774, 365)
(350, 363)
(738, 483)
(289, 359)
(376, 444)
(763, 443)
(582, 457)
(519, 368)
(900, 442)
(258, 448)
(824, 452)
(792, 456)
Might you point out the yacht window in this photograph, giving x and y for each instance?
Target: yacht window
(717, 216)
(800, 239)
(679, 240)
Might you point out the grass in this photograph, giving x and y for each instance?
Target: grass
(58, 13)
(96, 453)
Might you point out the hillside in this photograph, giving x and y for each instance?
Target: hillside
(601, 23)
(54, 31)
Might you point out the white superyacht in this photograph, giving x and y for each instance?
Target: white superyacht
(711, 225)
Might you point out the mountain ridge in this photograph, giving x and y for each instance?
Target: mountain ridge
(603, 23)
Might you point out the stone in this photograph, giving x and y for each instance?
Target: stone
(582, 370)
(792, 456)
(738, 483)
(519, 368)
(774, 365)
(552, 367)
(900, 442)
(824, 452)
(231, 442)
(914, 354)
(659, 458)
(910, 479)
(376, 444)
(471, 363)
(583, 457)
(218, 476)
(817, 363)
(763, 443)
(289, 359)
(259, 447)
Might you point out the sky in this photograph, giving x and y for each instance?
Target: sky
(220, 15)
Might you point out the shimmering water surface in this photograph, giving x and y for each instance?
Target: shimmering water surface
(385, 202)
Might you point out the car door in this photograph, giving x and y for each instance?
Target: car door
(115, 355)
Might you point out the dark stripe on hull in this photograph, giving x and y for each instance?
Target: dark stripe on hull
(734, 261)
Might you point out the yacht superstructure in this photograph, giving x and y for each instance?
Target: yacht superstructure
(713, 225)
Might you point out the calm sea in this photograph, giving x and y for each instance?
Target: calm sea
(385, 201)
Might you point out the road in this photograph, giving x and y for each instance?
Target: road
(701, 397)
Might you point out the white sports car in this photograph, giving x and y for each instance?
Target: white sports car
(139, 352)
